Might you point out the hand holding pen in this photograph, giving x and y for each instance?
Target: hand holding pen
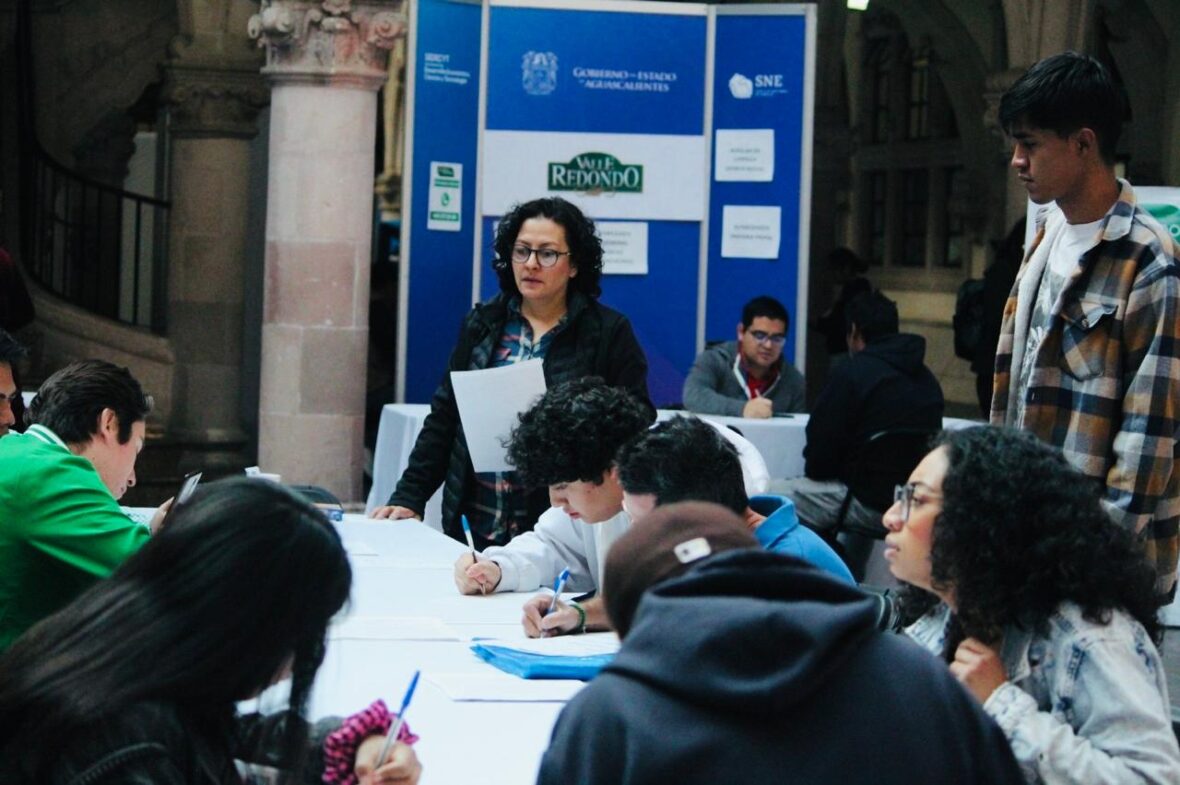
(546, 615)
(474, 575)
(382, 758)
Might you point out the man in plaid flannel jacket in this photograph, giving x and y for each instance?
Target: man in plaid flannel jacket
(1089, 351)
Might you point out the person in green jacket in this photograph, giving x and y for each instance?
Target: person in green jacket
(61, 527)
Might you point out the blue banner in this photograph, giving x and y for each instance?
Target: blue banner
(445, 131)
(759, 83)
(552, 69)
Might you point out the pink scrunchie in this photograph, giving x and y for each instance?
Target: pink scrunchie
(341, 744)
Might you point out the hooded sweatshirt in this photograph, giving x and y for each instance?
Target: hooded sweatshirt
(885, 385)
(753, 667)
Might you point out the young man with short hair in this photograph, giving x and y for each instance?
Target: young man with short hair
(62, 527)
(686, 459)
(1089, 351)
(748, 377)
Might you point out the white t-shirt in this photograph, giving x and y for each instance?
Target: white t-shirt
(1065, 253)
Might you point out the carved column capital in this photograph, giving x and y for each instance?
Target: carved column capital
(211, 102)
(334, 42)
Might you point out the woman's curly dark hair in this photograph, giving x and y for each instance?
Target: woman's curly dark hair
(1022, 531)
(584, 245)
(574, 431)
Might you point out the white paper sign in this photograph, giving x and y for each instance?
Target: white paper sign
(750, 232)
(446, 197)
(743, 155)
(624, 247)
(489, 402)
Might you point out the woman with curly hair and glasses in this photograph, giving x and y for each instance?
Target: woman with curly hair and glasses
(137, 680)
(549, 264)
(1043, 607)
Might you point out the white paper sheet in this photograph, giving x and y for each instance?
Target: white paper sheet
(392, 628)
(503, 688)
(358, 548)
(750, 232)
(624, 247)
(743, 155)
(489, 402)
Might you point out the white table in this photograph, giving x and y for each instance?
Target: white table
(780, 440)
(492, 743)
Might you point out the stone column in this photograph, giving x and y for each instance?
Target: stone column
(213, 106)
(326, 61)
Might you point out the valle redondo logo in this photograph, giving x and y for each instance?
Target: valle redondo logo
(595, 172)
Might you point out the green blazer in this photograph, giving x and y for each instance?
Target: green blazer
(60, 529)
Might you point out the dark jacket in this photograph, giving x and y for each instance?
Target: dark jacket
(886, 385)
(753, 667)
(154, 743)
(596, 341)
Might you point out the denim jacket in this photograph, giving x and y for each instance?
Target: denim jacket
(1086, 703)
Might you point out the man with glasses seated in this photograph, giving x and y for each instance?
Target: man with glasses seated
(748, 377)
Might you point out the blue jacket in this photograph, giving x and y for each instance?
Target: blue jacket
(782, 533)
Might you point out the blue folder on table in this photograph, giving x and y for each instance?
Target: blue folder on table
(528, 665)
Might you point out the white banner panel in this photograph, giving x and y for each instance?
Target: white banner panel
(631, 176)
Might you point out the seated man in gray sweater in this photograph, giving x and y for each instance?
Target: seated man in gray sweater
(748, 377)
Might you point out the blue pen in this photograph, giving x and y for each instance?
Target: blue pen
(558, 587)
(470, 539)
(396, 728)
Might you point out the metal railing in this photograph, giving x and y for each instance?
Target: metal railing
(96, 246)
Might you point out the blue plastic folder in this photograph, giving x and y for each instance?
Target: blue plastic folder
(542, 666)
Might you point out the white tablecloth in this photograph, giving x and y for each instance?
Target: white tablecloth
(491, 743)
(780, 440)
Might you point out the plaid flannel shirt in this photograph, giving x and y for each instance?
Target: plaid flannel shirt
(1105, 385)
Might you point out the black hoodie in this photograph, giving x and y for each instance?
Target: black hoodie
(885, 385)
(753, 667)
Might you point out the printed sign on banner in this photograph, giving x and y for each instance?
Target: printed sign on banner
(750, 232)
(743, 155)
(446, 197)
(624, 247)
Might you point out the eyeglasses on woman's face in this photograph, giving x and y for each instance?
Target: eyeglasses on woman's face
(904, 496)
(546, 257)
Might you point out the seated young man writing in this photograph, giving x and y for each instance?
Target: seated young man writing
(566, 441)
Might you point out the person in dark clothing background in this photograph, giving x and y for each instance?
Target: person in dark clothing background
(16, 311)
(12, 405)
(885, 384)
(997, 283)
(849, 269)
(744, 666)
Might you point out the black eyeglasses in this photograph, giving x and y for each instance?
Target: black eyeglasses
(775, 339)
(904, 495)
(546, 257)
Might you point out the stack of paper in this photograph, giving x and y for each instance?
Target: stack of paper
(578, 657)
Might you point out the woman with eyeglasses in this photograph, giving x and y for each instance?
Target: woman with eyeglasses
(137, 680)
(549, 264)
(1044, 609)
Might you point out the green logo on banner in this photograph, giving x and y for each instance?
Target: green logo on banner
(596, 172)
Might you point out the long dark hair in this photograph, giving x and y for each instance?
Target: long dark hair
(585, 246)
(1022, 531)
(242, 581)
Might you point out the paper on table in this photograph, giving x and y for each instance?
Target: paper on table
(489, 401)
(500, 687)
(586, 645)
(392, 628)
(358, 548)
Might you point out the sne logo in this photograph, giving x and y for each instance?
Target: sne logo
(596, 172)
(538, 72)
(761, 86)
